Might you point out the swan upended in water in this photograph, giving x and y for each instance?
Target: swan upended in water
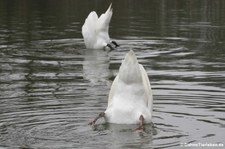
(130, 98)
(95, 30)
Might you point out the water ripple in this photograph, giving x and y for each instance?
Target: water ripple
(51, 86)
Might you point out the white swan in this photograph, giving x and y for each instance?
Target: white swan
(130, 98)
(95, 30)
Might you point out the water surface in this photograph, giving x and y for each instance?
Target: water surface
(51, 86)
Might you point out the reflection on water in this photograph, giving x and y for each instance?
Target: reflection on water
(96, 66)
(51, 86)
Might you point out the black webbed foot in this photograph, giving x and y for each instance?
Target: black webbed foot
(116, 45)
(110, 46)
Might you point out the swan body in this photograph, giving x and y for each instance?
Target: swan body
(95, 30)
(130, 94)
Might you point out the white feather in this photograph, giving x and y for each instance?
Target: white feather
(95, 30)
(130, 95)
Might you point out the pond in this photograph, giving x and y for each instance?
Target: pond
(51, 86)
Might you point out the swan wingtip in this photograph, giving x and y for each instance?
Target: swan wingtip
(110, 7)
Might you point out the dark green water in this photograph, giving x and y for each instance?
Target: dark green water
(51, 86)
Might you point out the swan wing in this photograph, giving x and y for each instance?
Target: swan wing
(104, 20)
(89, 28)
(112, 90)
(147, 87)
